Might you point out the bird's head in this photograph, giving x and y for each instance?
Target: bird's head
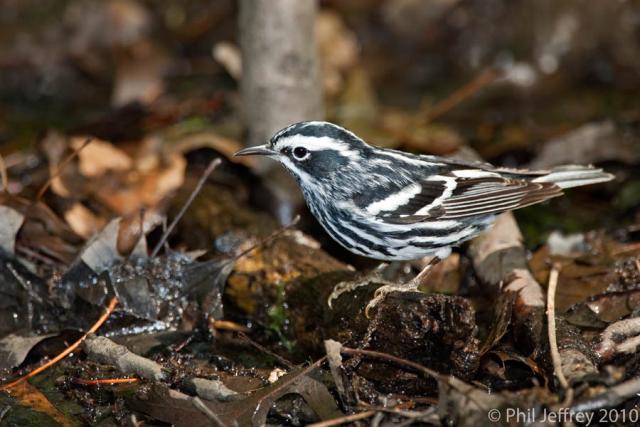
(314, 152)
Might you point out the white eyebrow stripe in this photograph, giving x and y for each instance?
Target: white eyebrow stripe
(318, 143)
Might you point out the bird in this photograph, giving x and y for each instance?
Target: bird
(392, 205)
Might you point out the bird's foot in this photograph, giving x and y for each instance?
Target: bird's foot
(410, 286)
(382, 292)
(352, 285)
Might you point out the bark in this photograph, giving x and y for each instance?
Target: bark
(280, 80)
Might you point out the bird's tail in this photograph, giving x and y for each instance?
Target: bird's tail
(575, 176)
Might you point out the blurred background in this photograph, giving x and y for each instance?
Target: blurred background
(532, 82)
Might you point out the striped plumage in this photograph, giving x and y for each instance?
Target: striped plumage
(390, 205)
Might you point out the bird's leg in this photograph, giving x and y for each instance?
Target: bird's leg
(374, 275)
(411, 285)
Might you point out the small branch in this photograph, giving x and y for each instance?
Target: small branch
(343, 420)
(620, 337)
(266, 351)
(103, 350)
(61, 167)
(470, 392)
(269, 238)
(213, 390)
(551, 329)
(612, 397)
(393, 359)
(24, 283)
(68, 350)
(482, 80)
(107, 381)
(4, 176)
(214, 163)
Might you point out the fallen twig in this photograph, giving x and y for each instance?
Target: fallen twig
(269, 238)
(473, 394)
(391, 358)
(486, 77)
(112, 305)
(104, 350)
(214, 163)
(214, 390)
(266, 351)
(24, 283)
(4, 176)
(610, 398)
(343, 420)
(551, 329)
(620, 337)
(61, 167)
(107, 381)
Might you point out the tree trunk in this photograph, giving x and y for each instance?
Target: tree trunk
(280, 81)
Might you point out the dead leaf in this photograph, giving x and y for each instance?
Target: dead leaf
(228, 55)
(139, 75)
(100, 157)
(131, 229)
(144, 189)
(54, 145)
(81, 220)
(27, 395)
(15, 348)
(502, 318)
(176, 408)
(10, 222)
(101, 251)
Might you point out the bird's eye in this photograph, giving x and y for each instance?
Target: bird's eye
(300, 153)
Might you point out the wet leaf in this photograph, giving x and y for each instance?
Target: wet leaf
(176, 408)
(15, 348)
(27, 395)
(104, 249)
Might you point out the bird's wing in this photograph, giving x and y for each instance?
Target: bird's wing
(464, 193)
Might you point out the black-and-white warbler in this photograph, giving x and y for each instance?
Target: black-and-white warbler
(391, 205)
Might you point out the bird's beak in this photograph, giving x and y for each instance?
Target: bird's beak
(258, 150)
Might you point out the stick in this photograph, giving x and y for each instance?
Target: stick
(269, 238)
(343, 420)
(551, 323)
(265, 350)
(391, 358)
(68, 350)
(482, 80)
(467, 390)
(61, 167)
(4, 176)
(214, 163)
(610, 398)
(109, 381)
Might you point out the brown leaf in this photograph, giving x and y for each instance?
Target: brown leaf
(81, 220)
(28, 395)
(100, 157)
